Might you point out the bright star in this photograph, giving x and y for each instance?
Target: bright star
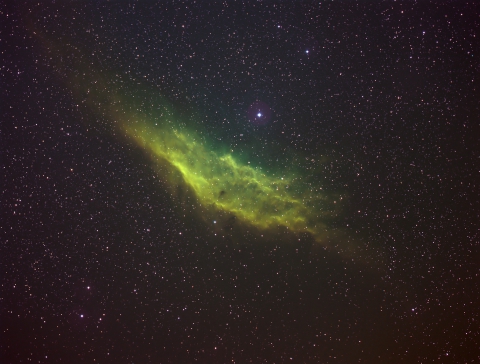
(259, 115)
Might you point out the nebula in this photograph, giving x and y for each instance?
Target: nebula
(219, 183)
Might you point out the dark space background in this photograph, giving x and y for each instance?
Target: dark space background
(100, 264)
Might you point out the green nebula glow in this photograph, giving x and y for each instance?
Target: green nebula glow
(270, 201)
(222, 183)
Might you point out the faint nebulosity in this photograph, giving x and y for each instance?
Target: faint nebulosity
(240, 181)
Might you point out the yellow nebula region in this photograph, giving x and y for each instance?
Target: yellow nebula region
(223, 184)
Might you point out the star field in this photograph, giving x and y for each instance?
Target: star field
(244, 182)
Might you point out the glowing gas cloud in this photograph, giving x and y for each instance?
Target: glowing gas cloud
(221, 182)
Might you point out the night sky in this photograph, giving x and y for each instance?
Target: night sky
(241, 182)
